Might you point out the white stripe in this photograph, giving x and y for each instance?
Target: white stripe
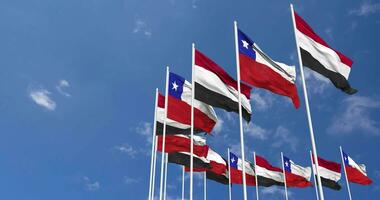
(169, 122)
(206, 109)
(326, 56)
(277, 176)
(328, 174)
(212, 82)
(300, 171)
(198, 140)
(248, 167)
(203, 159)
(360, 167)
(213, 156)
(291, 70)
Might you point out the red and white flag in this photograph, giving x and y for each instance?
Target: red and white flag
(296, 175)
(268, 175)
(236, 166)
(356, 173)
(182, 143)
(329, 172)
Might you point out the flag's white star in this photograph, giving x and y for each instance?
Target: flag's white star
(245, 44)
(286, 164)
(175, 86)
(232, 160)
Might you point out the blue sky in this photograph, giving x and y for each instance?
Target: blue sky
(77, 88)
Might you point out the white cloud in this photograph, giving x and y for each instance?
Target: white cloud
(275, 191)
(194, 4)
(256, 131)
(145, 129)
(91, 185)
(218, 126)
(283, 137)
(142, 27)
(41, 97)
(130, 180)
(329, 33)
(366, 8)
(62, 84)
(262, 100)
(315, 82)
(127, 149)
(355, 115)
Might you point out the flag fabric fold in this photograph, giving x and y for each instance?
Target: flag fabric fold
(236, 166)
(356, 173)
(296, 175)
(182, 143)
(215, 87)
(319, 56)
(330, 173)
(259, 70)
(268, 175)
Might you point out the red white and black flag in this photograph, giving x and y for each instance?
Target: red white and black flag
(319, 56)
(268, 175)
(215, 87)
(329, 172)
(356, 173)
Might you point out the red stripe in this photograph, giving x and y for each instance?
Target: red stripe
(237, 177)
(260, 161)
(216, 168)
(206, 63)
(293, 180)
(304, 28)
(333, 166)
(175, 144)
(180, 111)
(262, 76)
(355, 176)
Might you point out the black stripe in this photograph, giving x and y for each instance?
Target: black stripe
(170, 130)
(184, 159)
(217, 178)
(267, 182)
(337, 79)
(329, 183)
(217, 100)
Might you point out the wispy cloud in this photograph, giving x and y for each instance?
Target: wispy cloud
(329, 33)
(145, 129)
(256, 131)
(355, 115)
(127, 149)
(275, 191)
(42, 98)
(316, 83)
(91, 185)
(62, 85)
(142, 28)
(366, 8)
(194, 4)
(283, 137)
(262, 101)
(130, 180)
(218, 126)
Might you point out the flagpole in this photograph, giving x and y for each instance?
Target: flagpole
(164, 133)
(204, 186)
(229, 174)
(345, 172)
(315, 181)
(166, 174)
(240, 110)
(183, 182)
(153, 159)
(283, 171)
(256, 180)
(154, 164)
(192, 121)
(314, 148)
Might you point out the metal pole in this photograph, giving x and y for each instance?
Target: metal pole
(153, 159)
(345, 173)
(240, 110)
(183, 182)
(192, 121)
(166, 175)
(313, 145)
(204, 185)
(229, 175)
(257, 181)
(315, 181)
(283, 171)
(164, 133)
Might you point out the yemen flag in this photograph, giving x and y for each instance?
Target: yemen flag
(215, 87)
(296, 175)
(329, 172)
(182, 143)
(236, 166)
(267, 175)
(320, 57)
(183, 158)
(259, 70)
(356, 173)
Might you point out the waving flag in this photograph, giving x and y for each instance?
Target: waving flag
(215, 87)
(356, 173)
(179, 109)
(259, 70)
(320, 57)
(267, 175)
(236, 165)
(183, 158)
(296, 175)
(182, 143)
(329, 172)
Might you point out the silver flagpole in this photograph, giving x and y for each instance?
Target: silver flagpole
(315, 181)
(283, 171)
(314, 147)
(166, 174)
(152, 160)
(154, 166)
(345, 173)
(240, 109)
(164, 133)
(183, 182)
(204, 186)
(257, 181)
(229, 174)
(192, 121)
